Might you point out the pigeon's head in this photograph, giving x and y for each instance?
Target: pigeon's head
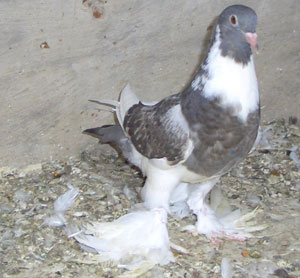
(237, 27)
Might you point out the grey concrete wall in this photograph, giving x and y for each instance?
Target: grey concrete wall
(96, 47)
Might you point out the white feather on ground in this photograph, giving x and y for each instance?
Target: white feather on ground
(226, 269)
(61, 205)
(293, 155)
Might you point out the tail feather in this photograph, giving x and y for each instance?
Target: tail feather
(107, 134)
(115, 134)
(108, 102)
(127, 99)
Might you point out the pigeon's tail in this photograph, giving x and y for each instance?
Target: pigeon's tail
(111, 134)
(114, 135)
(107, 134)
(127, 99)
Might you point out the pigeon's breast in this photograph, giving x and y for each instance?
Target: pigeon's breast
(220, 139)
(234, 84)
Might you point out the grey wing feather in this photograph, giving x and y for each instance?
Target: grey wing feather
(158, 131)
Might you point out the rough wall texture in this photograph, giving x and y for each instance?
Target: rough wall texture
(96, 47)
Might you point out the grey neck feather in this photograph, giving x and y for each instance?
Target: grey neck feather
(234, 45)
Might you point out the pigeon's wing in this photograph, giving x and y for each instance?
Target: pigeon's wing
(160, 130)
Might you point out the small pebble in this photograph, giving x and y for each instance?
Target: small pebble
(254, 254)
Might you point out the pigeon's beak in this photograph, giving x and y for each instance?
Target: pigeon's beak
(251, 38)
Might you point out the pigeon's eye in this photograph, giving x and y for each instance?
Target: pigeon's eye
(233, 20)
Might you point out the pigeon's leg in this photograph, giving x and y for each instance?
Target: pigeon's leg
(158, 187)
(207, 222)
(232, 225)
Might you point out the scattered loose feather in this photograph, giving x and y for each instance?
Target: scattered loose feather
(294, 156)
(226, 269)
(55, 220)
(65, 201)
(61, 205)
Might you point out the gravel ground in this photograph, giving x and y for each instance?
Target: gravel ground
(268, 179)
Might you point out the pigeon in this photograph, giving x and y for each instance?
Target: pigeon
(184, 143)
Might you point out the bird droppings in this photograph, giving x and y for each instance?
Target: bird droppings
(108, 187)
